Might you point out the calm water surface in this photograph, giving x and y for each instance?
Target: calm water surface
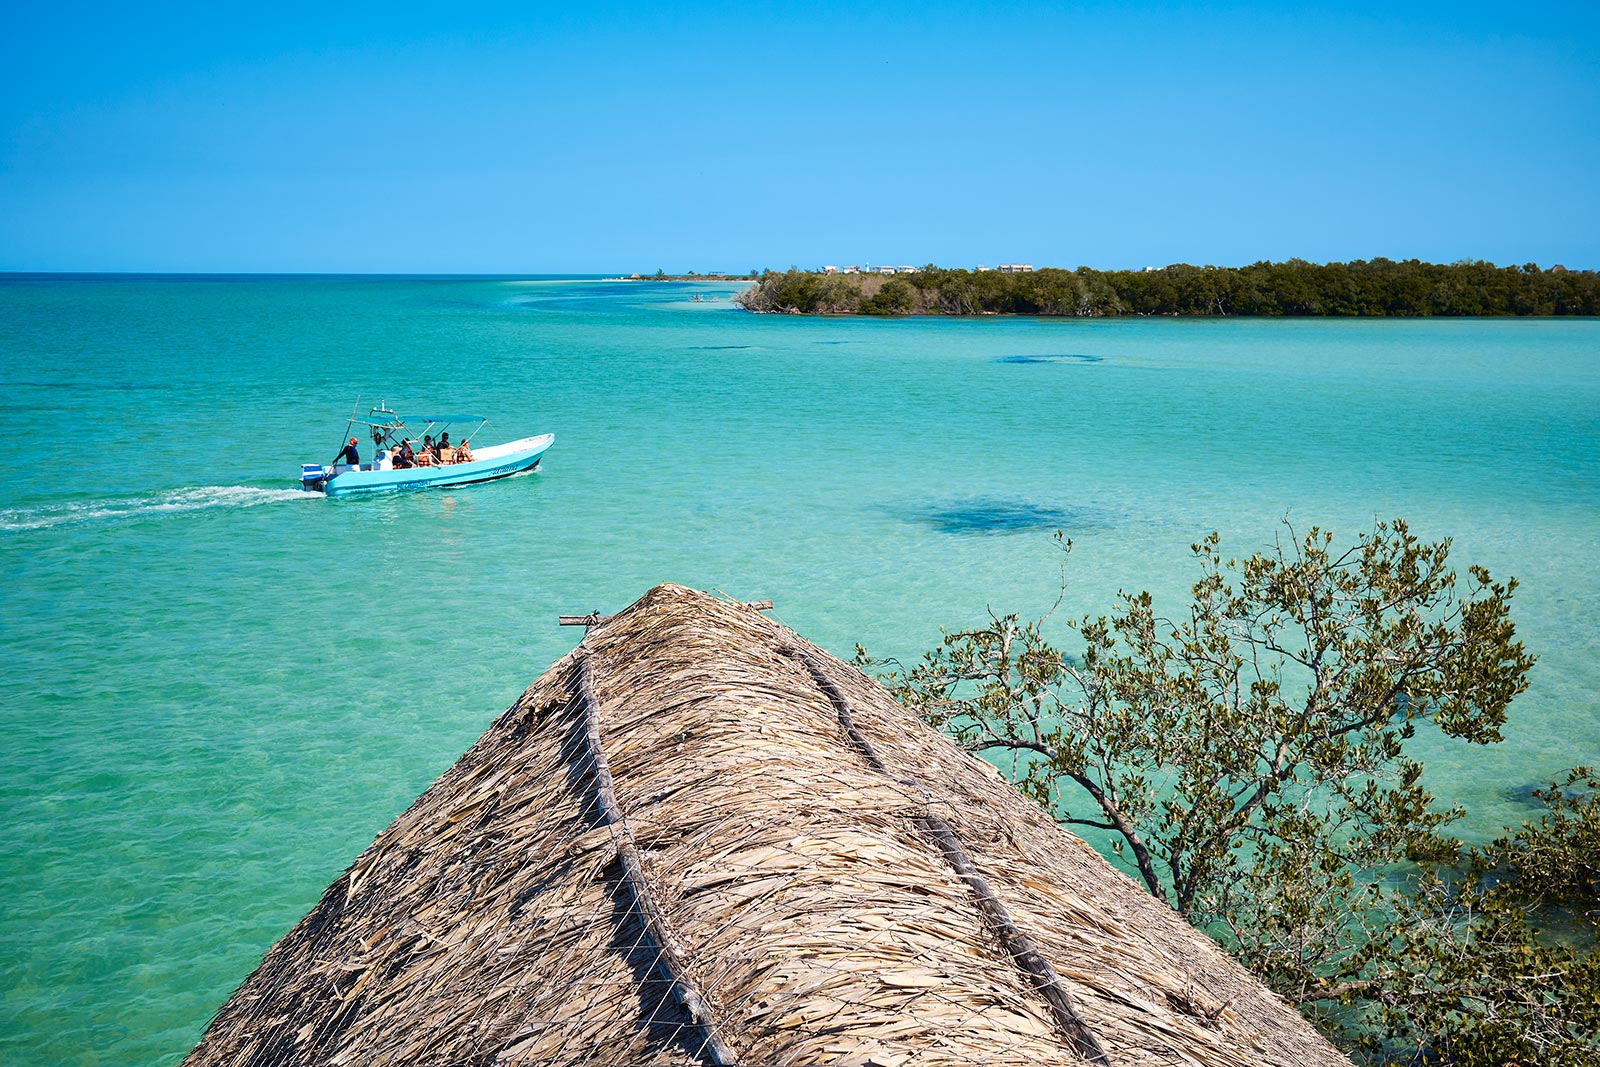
(218, 689)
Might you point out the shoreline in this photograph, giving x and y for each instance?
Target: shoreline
(687, 278)
(1378, 288)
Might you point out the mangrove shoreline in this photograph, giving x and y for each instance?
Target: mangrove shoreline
(1294, 288)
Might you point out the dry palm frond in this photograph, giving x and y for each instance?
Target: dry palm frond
(699, 839)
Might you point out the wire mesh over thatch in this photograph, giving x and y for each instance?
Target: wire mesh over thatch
(699, 839)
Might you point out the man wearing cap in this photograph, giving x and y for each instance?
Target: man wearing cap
(349, 454)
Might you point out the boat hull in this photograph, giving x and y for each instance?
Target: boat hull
(501, 461)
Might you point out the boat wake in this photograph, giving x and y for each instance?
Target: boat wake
(193, 498)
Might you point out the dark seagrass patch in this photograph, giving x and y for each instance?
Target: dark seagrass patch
(999, 515)
(1063, 357)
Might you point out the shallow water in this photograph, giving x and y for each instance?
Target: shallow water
(220, 688)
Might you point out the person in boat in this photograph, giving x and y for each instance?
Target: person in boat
(425, 458)
(404, 457)
(464, 453)
(349, 454)
(443, 451)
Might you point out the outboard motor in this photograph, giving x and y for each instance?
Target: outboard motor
(313, 477)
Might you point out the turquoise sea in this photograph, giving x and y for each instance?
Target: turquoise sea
(218, 688)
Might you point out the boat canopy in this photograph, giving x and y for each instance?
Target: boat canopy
(377, 418)
(389, 428)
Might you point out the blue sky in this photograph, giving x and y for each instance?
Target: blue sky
(597, 138)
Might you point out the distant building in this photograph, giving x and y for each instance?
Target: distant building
(830, 270)
(907, 270)
(981, 267)
(852, 269)
(1015, 268)
(883, 270)
(1150, 270)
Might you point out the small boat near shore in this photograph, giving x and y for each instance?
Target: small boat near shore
(401, 461)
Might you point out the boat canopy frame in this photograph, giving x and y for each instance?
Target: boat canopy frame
(387, 429)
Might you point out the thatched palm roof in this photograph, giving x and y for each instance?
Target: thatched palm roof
(699, 839)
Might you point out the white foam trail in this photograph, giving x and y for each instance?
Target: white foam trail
(194, 498)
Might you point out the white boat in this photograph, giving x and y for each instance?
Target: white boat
(387, 473)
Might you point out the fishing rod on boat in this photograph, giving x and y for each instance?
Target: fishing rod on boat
(355, 411)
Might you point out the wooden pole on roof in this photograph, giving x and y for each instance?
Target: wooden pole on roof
(594, 618)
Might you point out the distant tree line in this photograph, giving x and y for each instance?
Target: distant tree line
(1378, 287)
